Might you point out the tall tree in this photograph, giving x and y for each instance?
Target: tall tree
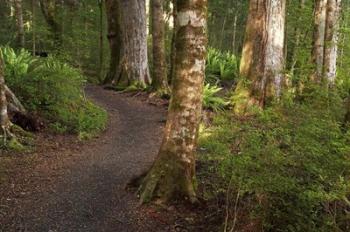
(262, 60)
(19, 22)
(331, 40)
(133, 66)
(49, 10)
(114, 38)
(320, 13)
(160, 81)
(172, 174)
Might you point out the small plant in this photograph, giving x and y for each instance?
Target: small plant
(54, 90)
(210, 100)
(220, 66)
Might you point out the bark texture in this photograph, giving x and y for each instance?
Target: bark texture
(19, 22)
(262, 60)
(134, 59)
(331, 40)
(320, 13)
(172, 174)
(114, 38)
(4, 118)
(160, 81)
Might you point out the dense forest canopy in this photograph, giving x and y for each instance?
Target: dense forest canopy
(257, 133)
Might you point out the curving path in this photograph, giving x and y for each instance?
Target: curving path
(85, 189)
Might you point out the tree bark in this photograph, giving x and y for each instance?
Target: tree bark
(262, 60)
(320, 13)
(134, 59)
(160, 81)
(19, 23)
(172, 174)
(114, 38)
(331, 40)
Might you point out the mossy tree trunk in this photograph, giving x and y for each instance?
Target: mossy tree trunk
(262, 60)
(19, 23)
(173, 173)
(160, 81)
(114, 39)
(48, 8)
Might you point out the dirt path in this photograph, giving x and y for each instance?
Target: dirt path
(82, 189)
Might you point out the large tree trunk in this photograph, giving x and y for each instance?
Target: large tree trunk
(262, 60)
(134, 62)
(114, 37)
(160, 81)
(320, 13)
(173, 173)
(4, 118)
(331, 40)
(19, 22)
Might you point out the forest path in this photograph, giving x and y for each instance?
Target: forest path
(85, 190)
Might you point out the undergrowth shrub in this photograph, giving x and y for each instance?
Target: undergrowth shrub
(54, 90)
(290, 165)
(211, 100)
(220, 66)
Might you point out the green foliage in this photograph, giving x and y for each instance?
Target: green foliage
(211, 100)
(54, 90)
(220, 66)
(290, 164)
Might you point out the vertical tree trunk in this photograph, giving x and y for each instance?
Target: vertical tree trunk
(100, 5)
(114, 38)
(33, 28)
(234, 33)
(173, 40)
(173, 173)
(262, 60)
(19, 22)
(134, 64)
(320, 13)
(160, 81)
(331, 40)
(48, 8)
(4, 118)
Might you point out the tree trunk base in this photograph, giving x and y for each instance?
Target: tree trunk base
(167, 182)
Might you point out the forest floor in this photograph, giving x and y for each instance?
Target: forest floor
(71, 185)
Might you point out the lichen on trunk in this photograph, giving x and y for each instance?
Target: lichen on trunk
(173, 173)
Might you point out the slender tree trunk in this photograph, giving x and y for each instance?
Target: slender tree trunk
(160, 81)
(320, 13)
(331, 40)
(234, 34)
(173, 40)
(4, 118)
(100, 5)
(134, 64)
(19, 22)
(262, 60)
(173, 173)
(33, 29)
(48, 8)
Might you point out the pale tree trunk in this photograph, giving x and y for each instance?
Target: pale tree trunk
(19, 22)
(4, 118)
(101, 45)
(320, 13)
(134, 64)
(331, 40)
(173, 173)
(262, 60)
(173, 40)
(160, 81)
